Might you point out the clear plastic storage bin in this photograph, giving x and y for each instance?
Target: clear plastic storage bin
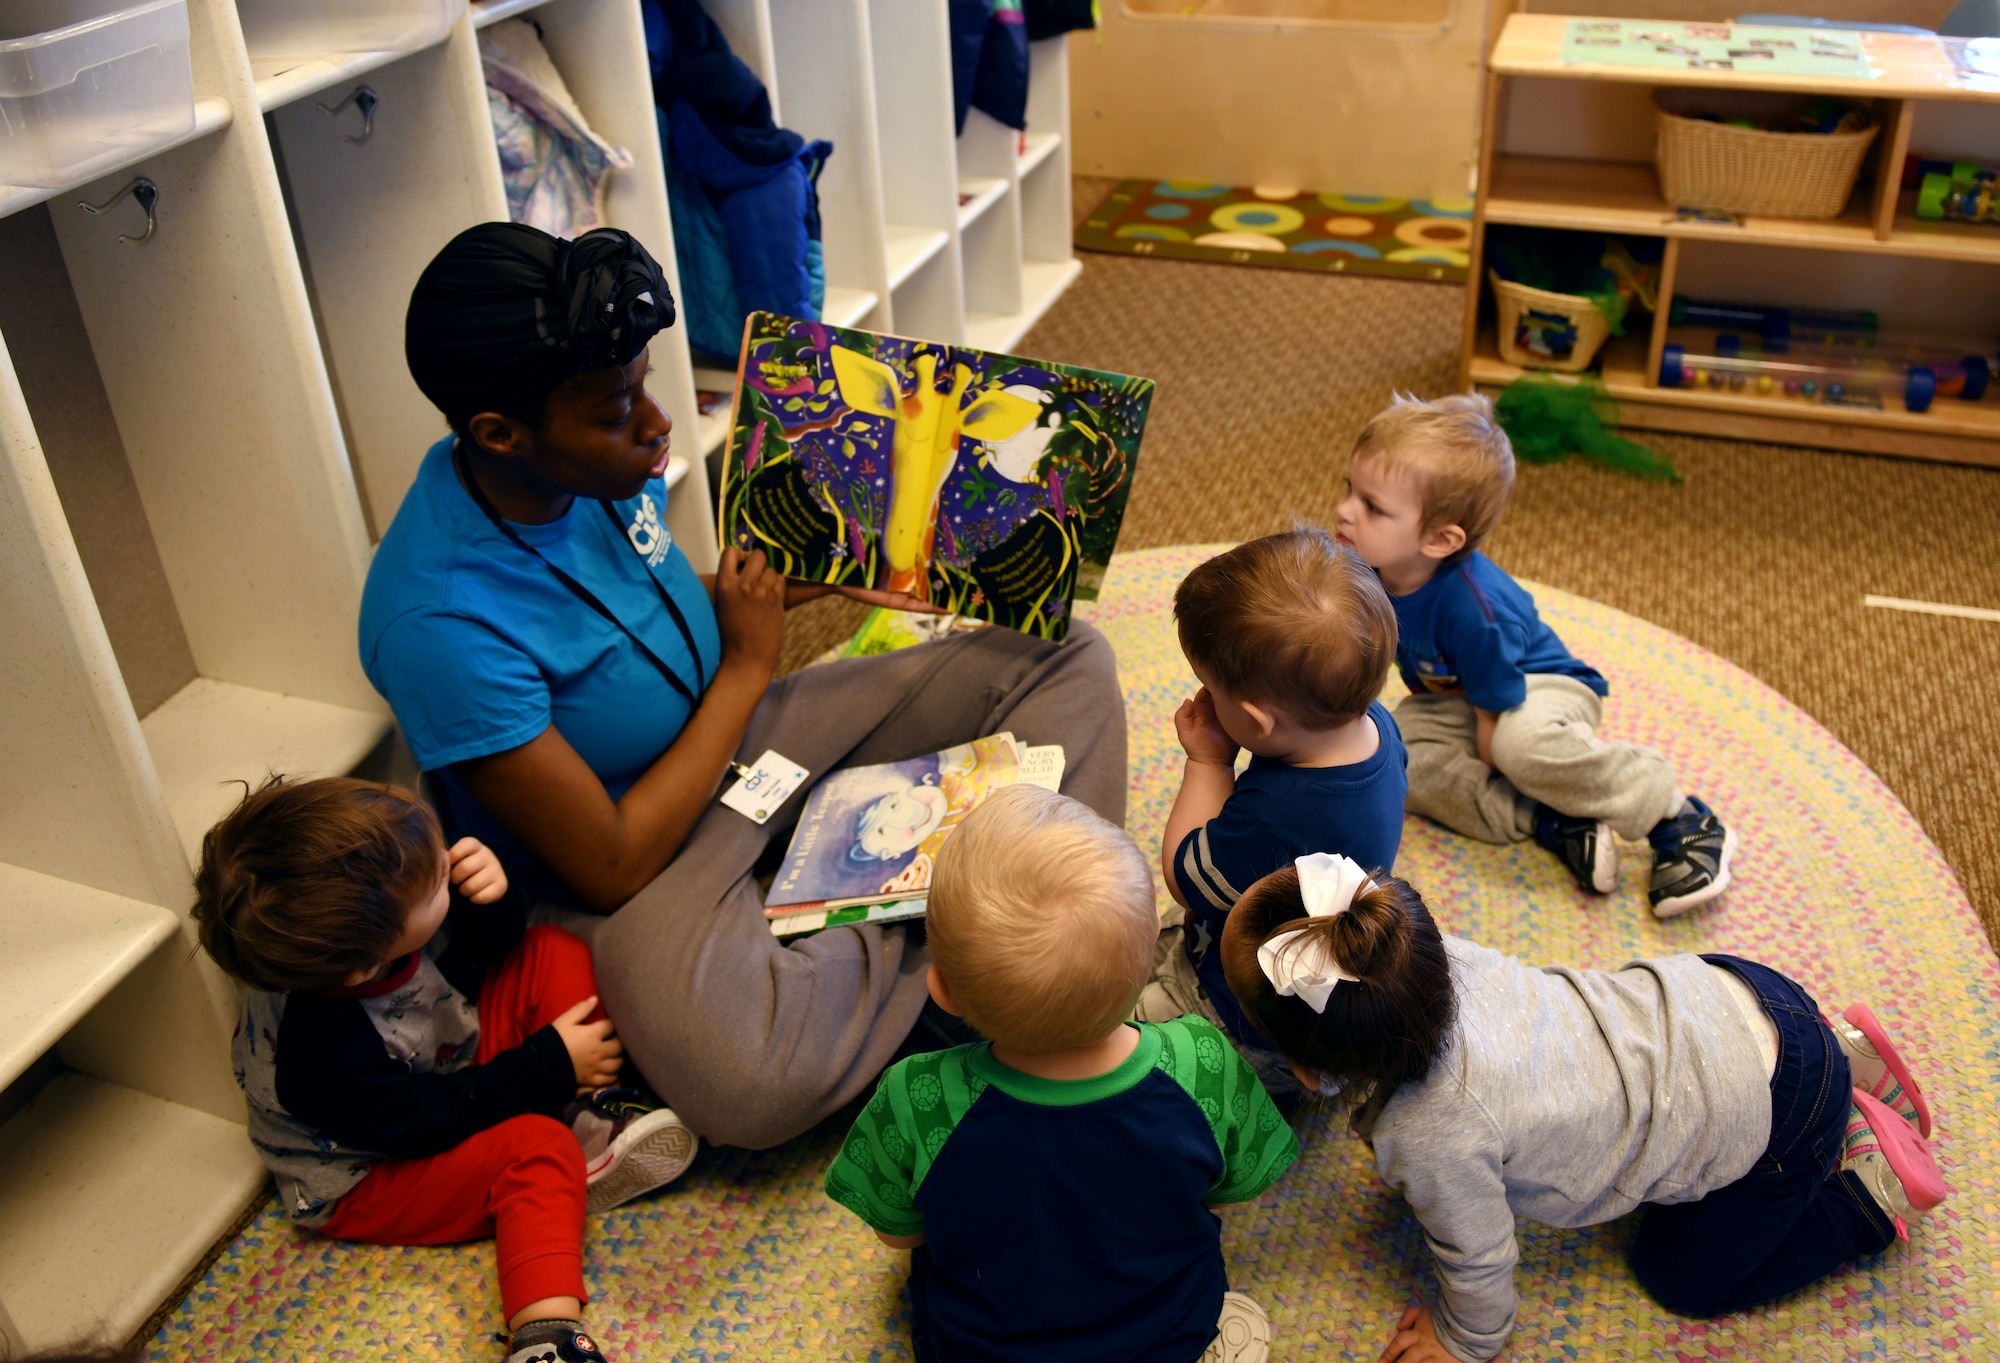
(313, 28)
(90, 85)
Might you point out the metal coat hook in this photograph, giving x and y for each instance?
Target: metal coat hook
(362, 98)
(145, 192)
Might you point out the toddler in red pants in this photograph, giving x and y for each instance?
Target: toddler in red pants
(422, 1068)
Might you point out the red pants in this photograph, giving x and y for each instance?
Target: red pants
(520, 1182)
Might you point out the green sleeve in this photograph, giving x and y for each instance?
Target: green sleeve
(899, 1133)
(1256, 1143)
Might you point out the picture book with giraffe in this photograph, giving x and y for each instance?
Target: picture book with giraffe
(985, 484)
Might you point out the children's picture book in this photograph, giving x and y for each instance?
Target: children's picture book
(870, 835)
(985, 484)
(818, 920)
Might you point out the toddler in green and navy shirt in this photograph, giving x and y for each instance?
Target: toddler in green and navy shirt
(1054, 1182)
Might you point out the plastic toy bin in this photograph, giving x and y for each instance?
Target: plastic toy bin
(312, 28)
(90, 85)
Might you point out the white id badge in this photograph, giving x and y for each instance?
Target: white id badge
(760, 789)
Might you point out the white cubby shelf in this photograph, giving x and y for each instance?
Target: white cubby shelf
(244, 367)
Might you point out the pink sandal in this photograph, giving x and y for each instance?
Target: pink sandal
(1883, 1086)
(1913, 1183)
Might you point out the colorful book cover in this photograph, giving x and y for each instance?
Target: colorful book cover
(989, 485)
(871, 834)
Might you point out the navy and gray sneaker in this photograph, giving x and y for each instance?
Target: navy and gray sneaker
(1585, 846)
(630, 1145)
(1691, 854)
(553, 1341)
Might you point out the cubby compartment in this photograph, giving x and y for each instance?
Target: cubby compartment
(600, 49)
(299, 29)
(929, 302)
(1048, 265)
(90, 85)
(993, 278)
(217, 579)
(823, 61)
(380, 172)
(911, 64)
(107, 1191)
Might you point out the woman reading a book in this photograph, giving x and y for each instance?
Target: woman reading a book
(578, 694)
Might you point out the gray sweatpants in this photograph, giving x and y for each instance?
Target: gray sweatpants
(750, 1040)
(1545, 750)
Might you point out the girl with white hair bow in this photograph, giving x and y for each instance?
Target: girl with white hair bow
(1767, 1146)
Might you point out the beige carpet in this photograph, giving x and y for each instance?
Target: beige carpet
(1763, 555)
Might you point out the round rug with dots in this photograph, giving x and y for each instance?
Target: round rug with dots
(1836, 885)
(1283, 226)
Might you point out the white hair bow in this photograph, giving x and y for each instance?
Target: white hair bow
(1297, 966)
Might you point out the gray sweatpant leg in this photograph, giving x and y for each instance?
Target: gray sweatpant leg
(1545, 750)
(753, 1041)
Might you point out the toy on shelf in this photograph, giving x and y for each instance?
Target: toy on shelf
(1822, 115)
(1956, 191)
(1869, 371)
(1777, 326)
(1559, 295)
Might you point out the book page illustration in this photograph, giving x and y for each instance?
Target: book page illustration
(988, 485)
(872, 833)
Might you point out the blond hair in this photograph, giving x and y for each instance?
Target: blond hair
(1457, 454)
(1041, 920)
(1294, 620)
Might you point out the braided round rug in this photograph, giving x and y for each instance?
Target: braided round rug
(1835, 884)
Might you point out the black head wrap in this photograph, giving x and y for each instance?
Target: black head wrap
(505, 313)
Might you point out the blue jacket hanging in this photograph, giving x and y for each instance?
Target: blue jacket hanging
(989, 60)
(742, 189)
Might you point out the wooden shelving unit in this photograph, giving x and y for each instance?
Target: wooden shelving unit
(1583, 193)
(248, 359)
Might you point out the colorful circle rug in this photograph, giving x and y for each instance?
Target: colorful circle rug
(1283, 226)
(1836, 885)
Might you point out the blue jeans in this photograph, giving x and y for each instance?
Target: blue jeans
(1794, 1217)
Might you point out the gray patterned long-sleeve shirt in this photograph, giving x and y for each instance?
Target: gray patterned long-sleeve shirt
(1568, 1097)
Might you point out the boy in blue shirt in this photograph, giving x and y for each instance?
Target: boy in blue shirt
(1053, 1184)
(1501, 719)
(1291, 637)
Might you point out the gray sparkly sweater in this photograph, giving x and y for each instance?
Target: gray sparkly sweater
(1568, 1097)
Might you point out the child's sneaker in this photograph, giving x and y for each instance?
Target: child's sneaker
(1691, 854)
(1891, 1161)
(630, 1146)
(1585, 846)
(553, 1341)
(1878, 1071)
(1242, 1332)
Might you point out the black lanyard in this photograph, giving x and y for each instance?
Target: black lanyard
(589, 598)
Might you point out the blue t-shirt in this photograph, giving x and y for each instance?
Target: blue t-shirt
(1064, 1220)
(1471, 629)
(1276, 815)
(478, 647)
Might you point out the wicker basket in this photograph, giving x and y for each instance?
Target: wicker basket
(1543, 330)
(1743, 170)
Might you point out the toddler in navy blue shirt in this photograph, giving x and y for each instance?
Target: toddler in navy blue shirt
(1291, 637)
(1502, 719)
